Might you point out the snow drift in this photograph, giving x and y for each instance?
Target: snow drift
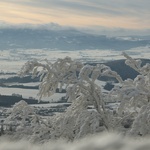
(98, 142)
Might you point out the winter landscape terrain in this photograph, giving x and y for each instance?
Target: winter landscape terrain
(74, 75)
(101, 86)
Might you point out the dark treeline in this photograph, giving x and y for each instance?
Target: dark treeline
(8, 100)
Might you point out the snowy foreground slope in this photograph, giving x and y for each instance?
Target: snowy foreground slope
(98, 142)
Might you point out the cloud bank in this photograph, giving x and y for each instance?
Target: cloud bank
(98, 30)
(130, 14)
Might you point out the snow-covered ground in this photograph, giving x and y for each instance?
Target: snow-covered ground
(48, 105)
(6, 76)
(26, 93)
(31, 84)
(12, 60)
(111, 141)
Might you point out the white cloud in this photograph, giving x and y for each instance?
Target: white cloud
(116, 13)
(111, 7)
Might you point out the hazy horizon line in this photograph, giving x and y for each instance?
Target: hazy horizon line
(100, 30)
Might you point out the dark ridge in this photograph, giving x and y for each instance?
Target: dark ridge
(8, 101)
(122, 69)
(18, 79)
(116, 65)
(63, 40)
(28, 87)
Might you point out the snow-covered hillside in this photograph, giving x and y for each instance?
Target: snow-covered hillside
(64, 39)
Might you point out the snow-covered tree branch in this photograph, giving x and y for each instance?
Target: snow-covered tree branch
(83, 91)
(63, 71)
(79, 80)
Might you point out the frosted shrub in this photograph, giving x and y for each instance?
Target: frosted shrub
(141, 125)
(63, 71)
(26, 123)
(79, 80)
(82, 90)
(134, 97)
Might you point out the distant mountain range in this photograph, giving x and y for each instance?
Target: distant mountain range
(66, 39)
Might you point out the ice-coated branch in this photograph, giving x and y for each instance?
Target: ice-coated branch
(88, 112)
(133, 94)
(79, 80)
(104, 70)
(135, 64)
(52, 75)
(141, 125)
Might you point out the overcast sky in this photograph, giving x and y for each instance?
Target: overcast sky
(93, 14)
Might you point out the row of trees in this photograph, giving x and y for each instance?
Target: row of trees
(131, 117)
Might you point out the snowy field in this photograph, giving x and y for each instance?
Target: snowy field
(26, 93)
(12, 60)
(48, 105)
